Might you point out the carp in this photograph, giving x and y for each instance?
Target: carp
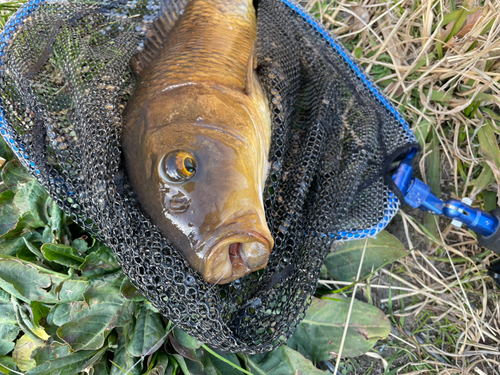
(196, 138)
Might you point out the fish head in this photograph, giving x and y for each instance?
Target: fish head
(198, 171)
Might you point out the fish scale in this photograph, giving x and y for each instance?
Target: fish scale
(211, 43)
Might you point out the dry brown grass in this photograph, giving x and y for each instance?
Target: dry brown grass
(439, 63)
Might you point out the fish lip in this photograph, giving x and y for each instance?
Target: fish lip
(249, 236)
(226, 230)
(252, 235)
(244, 236)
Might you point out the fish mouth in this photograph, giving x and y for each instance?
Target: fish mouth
(236, 256)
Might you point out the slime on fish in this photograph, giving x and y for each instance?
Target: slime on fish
(196, 138)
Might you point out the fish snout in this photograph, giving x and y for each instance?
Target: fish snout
(237, 255)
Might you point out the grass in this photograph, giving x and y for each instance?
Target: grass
(438, 62)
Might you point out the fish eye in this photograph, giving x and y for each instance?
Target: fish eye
(177, 166)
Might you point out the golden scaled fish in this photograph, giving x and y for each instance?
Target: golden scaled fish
(196, 138)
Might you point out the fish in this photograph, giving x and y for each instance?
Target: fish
(196, 138)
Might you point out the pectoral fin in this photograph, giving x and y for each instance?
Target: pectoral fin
(251, 66)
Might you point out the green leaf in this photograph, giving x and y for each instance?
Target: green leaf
(6, 347)
(343, 262)
(484, 179)
(160, 365)
(32, 199)
(102, 367)
(26, 221)
(201, 366)
(130, 292)
(223, 363)
(490, 200)
(8, 363)
(57, 222)
(48, 236)
(48, 353)
(24, 282)
(108, 283)
(182, 363)
(34, 250)
(450, 17)
(439, 96)
(9, 332)
(88, 323)
(7, 314)
(488, 143)
(282, 361)
(30, 282)
(8, 323)
(5, 151)
(80, 245)
(426, 59)
(69, 289)
(60, 314)
(4, 296)
(321, 331)
(459, 19)
(208, 361)
(126, 312)
(24, 347)
(123, 360)
(84, 324)
(39, 311)
(99, 262)
(14, 175)
(358, 52)
(482, 97)
(86, 333)
(62, 254)
(71, 364)
(8, 217)
(150, 306)
(421, 130)
(491, 113)
(17, 244)
(186, 340)
(148, 333)
(171, 368)
(188, 353)
(12, 247)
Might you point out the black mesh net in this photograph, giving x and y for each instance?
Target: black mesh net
(65, 80)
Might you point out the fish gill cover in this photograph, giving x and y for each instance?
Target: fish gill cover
(65, 79)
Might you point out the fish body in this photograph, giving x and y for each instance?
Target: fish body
(196, 139)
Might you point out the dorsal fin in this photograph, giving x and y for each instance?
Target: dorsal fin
(157, 34)
(251, 66)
